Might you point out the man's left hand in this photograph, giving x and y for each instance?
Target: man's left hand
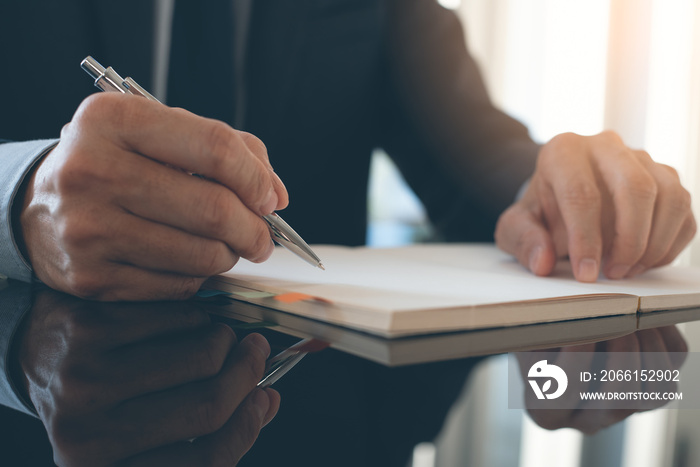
(603, 205)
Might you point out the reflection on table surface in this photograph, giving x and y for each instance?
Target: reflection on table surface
(285, 327)
(452, 345)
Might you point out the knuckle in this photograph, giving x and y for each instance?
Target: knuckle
(558, 146)
(564, 139)
(84, 283)
(78, 231)
(672, 172)
(117, 108)
(73, 171)
(643, 156)
(639, 186)
(93, 107)
(260, 185)
(80, 171)
(126, 112)
(219, 145)
(223, 146)
(610, 137)
(216, 211)
(255, 145)
(582, 193)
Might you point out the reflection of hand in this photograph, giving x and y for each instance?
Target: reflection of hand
(131, 384)
(104, 216)
(600, 203)
(662, 348)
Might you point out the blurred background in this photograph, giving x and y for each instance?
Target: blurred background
(632, 66)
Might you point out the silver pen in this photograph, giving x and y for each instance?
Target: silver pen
(109, 80)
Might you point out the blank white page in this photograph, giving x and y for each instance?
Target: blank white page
(437, 276)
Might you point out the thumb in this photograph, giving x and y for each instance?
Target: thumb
(521, 233)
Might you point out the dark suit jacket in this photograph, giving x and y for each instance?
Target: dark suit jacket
(328, 81)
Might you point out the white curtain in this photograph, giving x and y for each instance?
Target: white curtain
(632, 66)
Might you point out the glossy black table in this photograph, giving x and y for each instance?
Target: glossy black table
(26, 439)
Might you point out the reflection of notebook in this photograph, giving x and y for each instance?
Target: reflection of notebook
(437, 287)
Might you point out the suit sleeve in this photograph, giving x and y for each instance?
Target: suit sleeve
(463, 157)
(17, 160)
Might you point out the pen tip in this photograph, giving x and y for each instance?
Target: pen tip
(320, 265)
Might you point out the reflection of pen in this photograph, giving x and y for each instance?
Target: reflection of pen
(109, 81)
(284, 361)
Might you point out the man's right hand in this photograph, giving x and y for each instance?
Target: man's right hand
(112, 213)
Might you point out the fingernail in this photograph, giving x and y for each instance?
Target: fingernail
(261, 403)
(618, 271)
(259, 342)
(271, 202)
(587, 270)
(535, 257)
(637, 270)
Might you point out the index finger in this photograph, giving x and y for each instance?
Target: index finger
(568, 172)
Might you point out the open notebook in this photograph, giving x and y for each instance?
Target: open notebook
(444, 287)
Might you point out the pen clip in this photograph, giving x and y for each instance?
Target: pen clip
(137, 90)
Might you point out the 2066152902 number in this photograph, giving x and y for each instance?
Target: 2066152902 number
(640, 375)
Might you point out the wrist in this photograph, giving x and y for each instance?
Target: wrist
(24, 195)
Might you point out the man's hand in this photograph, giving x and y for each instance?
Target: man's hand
(112, 214)
(129, 385)
(658, 349)
(601, 204)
